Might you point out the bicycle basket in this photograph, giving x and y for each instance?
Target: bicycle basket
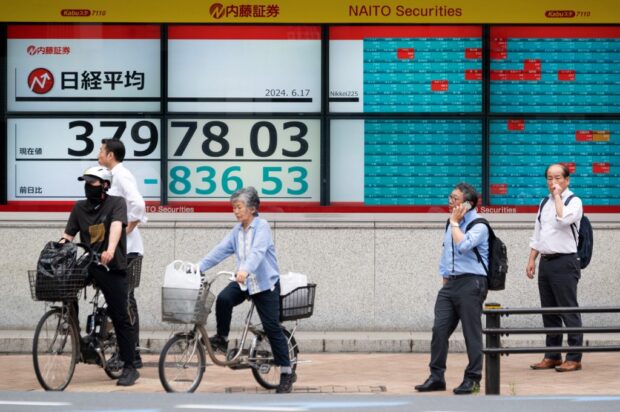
(186, 305)
(298, 304)
(134, 269)
(61, 285)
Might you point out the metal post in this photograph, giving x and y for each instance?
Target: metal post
(492, 360)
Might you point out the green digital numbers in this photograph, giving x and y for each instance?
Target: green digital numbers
(213, 158)
(207, 180)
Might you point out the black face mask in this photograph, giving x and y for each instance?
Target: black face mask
(94, 194)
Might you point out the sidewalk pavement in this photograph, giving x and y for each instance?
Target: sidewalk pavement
(348, 372)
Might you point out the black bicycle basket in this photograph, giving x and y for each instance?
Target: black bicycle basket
(60, 273)
(298, 304)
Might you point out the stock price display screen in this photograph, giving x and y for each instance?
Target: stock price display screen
(555, 69)
(521, 149)
(403, 162)
(244, 69)
(46, 156)
(209, 159)
(387, 69)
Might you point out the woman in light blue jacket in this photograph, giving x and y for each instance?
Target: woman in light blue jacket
(257, 275)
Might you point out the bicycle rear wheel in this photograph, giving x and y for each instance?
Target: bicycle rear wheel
(55, 350)
(264, 370)
(182, 363)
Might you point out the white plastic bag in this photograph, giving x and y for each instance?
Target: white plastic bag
(182, 275)
(291, 281)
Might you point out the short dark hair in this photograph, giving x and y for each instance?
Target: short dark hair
(469, 193)
(116, 147)
(565, 169)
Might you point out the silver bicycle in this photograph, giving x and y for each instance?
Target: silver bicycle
(182, 361)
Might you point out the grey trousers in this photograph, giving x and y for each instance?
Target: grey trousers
(459, 300)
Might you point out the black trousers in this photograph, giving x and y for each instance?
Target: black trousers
(557, 285)
(113, 285)
(459, 300)
(133, 305)
(267, 304)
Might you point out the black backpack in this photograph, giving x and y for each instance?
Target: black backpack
(584, 237)
(498, 257)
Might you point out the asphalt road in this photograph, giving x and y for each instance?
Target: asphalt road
(140, 402)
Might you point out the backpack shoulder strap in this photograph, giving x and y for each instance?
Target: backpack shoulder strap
(542, 204)
(477, 221)
(573, 226)
(491, 233)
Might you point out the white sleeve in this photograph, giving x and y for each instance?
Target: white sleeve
(136, 208)
(572, 212)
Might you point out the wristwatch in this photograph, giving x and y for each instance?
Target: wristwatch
(454, 224)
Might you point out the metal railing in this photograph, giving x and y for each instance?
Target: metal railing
(493, 331)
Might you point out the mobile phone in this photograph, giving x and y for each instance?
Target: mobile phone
(467, 205)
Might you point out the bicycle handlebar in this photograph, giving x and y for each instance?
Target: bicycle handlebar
(231, 275)
(91, 255)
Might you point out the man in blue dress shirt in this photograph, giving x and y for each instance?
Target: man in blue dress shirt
(462, 294)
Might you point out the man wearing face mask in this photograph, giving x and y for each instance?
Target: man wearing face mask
(101, 219)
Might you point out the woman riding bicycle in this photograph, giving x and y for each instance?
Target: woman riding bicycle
(257, 276)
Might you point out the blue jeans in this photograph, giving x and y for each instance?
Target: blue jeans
(267, 305)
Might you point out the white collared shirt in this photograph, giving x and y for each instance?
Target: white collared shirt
(125, 186)
(554, 234)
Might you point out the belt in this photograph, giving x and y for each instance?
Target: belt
(551, 256)
(463, 276)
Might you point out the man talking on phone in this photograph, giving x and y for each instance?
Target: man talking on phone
(463, 291)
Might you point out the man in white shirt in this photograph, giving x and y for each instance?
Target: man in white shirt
(111, 155)
(559, 269)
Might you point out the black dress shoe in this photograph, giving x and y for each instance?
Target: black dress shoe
(431, 384)
(468, 386)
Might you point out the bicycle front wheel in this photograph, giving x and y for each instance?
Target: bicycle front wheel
(182, 363)
(55, 350)
(265, 371)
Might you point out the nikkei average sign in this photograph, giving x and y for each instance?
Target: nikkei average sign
(59, 68)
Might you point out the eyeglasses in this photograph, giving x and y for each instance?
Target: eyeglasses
(454, 198)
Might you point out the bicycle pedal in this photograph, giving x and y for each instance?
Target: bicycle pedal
(264, 368)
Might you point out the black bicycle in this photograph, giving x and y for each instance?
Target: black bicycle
(57, 346)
